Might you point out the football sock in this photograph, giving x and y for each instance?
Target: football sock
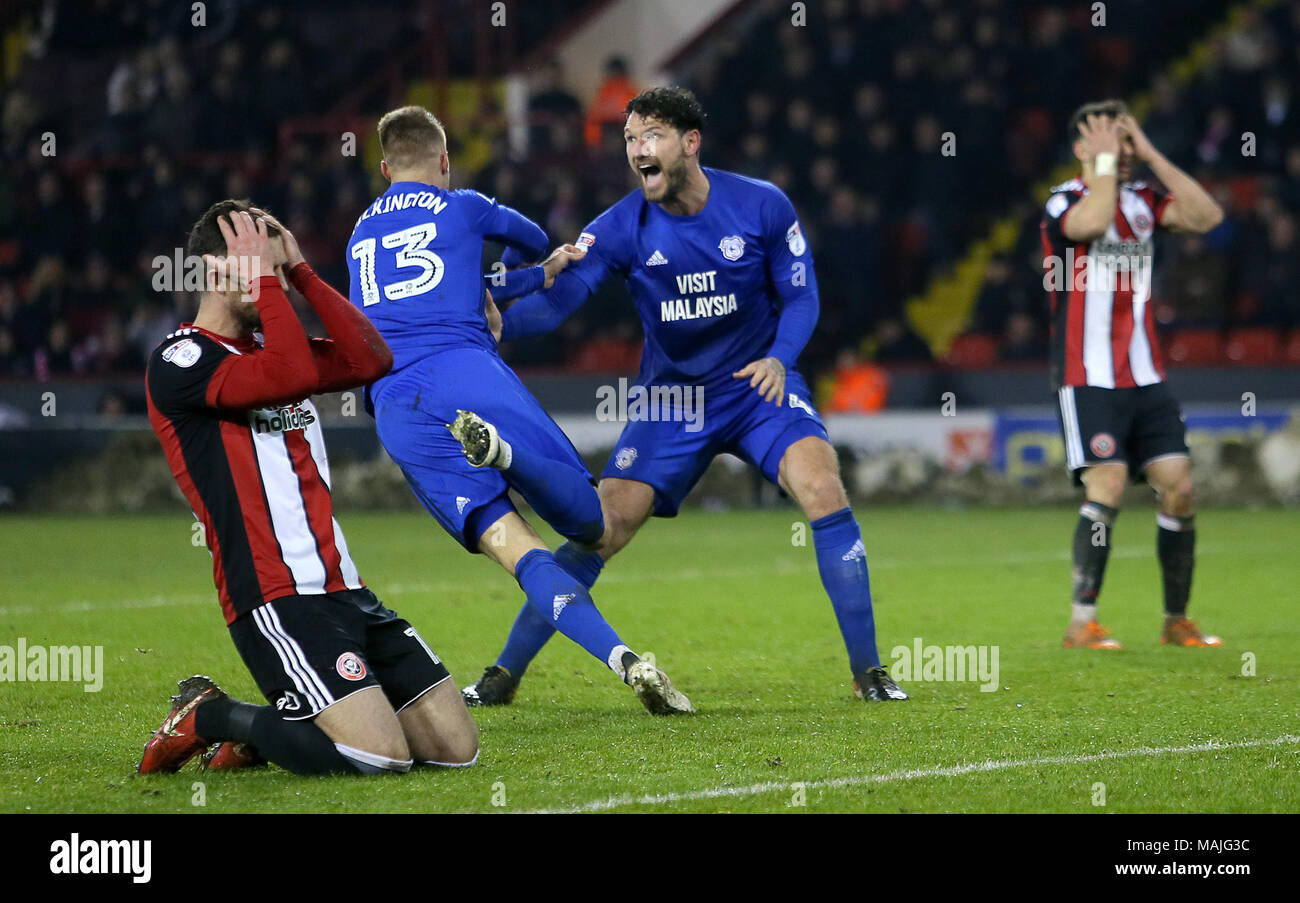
(564, 603)
(297, 746)
(531, 631)
(560, 493)
(842, 561)
(1176, 548)
(1091, 551)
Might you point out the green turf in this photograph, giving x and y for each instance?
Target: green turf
(735, 613)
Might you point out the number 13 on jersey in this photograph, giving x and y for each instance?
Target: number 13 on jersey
(412, 245)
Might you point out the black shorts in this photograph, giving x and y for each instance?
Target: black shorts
(1134, 426)
(308, 652)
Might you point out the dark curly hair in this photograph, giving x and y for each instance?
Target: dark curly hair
(674, 106)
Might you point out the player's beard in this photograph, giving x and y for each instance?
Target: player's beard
(246, 314)
(676, 177)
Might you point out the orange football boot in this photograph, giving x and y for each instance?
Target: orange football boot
(1089, 636)
(1181, 630)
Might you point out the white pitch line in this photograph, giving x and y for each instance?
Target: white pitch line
(653, 799)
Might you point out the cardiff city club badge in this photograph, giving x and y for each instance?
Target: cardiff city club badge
(732, 247)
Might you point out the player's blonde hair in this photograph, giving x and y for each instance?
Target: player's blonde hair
(411, 136)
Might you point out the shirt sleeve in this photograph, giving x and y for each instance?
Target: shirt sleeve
(180, 370)
(506, 285)
(790, 271)
(1058, 207)
(355, 354)
(1158, 197)
(605, 240)
(505, 224)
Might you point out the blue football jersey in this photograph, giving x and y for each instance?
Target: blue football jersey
(415, 260)
(708, 287)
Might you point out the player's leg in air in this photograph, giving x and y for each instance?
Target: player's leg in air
(461, 463)
(352, 689)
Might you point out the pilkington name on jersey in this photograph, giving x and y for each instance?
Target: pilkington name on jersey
(283, 420)
(700, 305)
(391, 202)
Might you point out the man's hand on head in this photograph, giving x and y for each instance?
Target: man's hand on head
(1099, 135)
(292, 253)
(1143, 149)
(249, 253)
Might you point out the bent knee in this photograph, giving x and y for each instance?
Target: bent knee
(456, 754)
(378, 756)
(821, 496)
(1180, 497)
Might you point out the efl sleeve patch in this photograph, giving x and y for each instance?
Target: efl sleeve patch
(185, 353)
(586, 239)
(1056, 205)
(795, 241)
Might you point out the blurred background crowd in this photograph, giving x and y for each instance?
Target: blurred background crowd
(153, 119)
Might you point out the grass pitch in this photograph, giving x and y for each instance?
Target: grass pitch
(735, 613)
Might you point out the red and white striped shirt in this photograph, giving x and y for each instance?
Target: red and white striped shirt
(1103, 326)
(244, 442)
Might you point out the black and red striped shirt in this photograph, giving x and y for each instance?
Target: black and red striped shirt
(244, 441)
(1103, 325)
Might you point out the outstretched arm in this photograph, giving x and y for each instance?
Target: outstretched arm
(525, 240)
(542, 312)
(510, 284)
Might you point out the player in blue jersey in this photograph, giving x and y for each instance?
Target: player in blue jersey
(415, 259)
(722, 277)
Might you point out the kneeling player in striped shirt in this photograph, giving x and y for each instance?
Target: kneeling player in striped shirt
(352, 687)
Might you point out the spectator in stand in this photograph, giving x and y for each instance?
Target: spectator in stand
(554, 114)
(1023, 340)
(858, 386)
(894, 342)
(611, 98)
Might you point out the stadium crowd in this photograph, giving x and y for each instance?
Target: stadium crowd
(850, 115)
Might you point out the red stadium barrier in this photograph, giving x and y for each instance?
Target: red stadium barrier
(972, 351)
(1197, 347)
(1254, 346)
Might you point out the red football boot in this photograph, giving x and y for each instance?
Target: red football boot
(176, 742)
(229, 755)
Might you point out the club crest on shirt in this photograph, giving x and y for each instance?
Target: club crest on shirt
(350, 666)
(623, 460)
(1102, 445)
(732, 247)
